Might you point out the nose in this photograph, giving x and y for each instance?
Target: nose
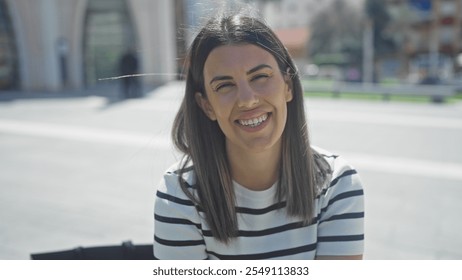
(247, 97)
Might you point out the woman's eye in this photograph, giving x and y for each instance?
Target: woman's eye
(224, 86)
(260, 77)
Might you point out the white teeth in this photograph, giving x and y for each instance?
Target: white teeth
(254, 122)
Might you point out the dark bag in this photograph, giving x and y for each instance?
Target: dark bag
(126, 251)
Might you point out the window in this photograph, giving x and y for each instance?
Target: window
(108, 34)
(448, 8)
(446, 34)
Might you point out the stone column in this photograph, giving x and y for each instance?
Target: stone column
(154, 22)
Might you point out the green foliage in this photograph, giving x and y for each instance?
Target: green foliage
(336, 34)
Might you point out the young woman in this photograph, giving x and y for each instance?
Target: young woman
(250, 186)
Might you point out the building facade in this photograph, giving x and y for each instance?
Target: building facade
(50, 45)
(430, 35)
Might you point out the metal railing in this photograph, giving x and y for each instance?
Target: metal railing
(436, 93)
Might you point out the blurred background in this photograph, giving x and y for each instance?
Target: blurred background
(81, 41)
(83, 143)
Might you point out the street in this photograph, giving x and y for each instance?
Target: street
(82, 171)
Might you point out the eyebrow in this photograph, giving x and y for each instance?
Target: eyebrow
(253, 70)
(259, 67)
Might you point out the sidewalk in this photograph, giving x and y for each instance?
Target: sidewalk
(76, 172)
(111, 91)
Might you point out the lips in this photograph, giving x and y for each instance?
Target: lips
(254, 121)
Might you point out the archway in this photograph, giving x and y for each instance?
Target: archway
(108, 33)
(9, 77)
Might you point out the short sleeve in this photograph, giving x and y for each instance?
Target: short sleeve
(341, 213)
(177, 223)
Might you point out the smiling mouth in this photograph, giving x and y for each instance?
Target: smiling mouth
(254, 122)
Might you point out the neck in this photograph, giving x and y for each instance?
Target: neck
(255, 171)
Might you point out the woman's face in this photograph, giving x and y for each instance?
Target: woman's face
(247, 95)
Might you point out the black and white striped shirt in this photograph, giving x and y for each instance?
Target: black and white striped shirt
(265, 230)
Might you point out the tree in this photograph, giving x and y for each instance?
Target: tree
(336, 33)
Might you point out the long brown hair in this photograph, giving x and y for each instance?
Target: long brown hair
(302, 170)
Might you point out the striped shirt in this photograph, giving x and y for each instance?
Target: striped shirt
(265, 231)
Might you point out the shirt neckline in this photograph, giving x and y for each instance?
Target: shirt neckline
(257, 195)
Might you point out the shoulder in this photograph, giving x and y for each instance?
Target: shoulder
(328, 156)
(170, 188)
(344, 176)
(340, 210)
(180, 170)
(177, 216)
(337, 163)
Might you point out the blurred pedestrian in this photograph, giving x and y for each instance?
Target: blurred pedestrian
(128, 68)
(250, 186)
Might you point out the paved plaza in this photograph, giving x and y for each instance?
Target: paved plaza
(82, 169)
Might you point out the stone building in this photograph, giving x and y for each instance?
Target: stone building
(51, 45)
(429, 33)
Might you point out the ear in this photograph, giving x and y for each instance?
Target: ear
(288, 90)
(204, 104)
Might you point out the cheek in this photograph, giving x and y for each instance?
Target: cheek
(282, 108)
(273, 88)
(222, 106)
(277, 96)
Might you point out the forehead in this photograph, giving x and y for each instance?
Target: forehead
(230, 58)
